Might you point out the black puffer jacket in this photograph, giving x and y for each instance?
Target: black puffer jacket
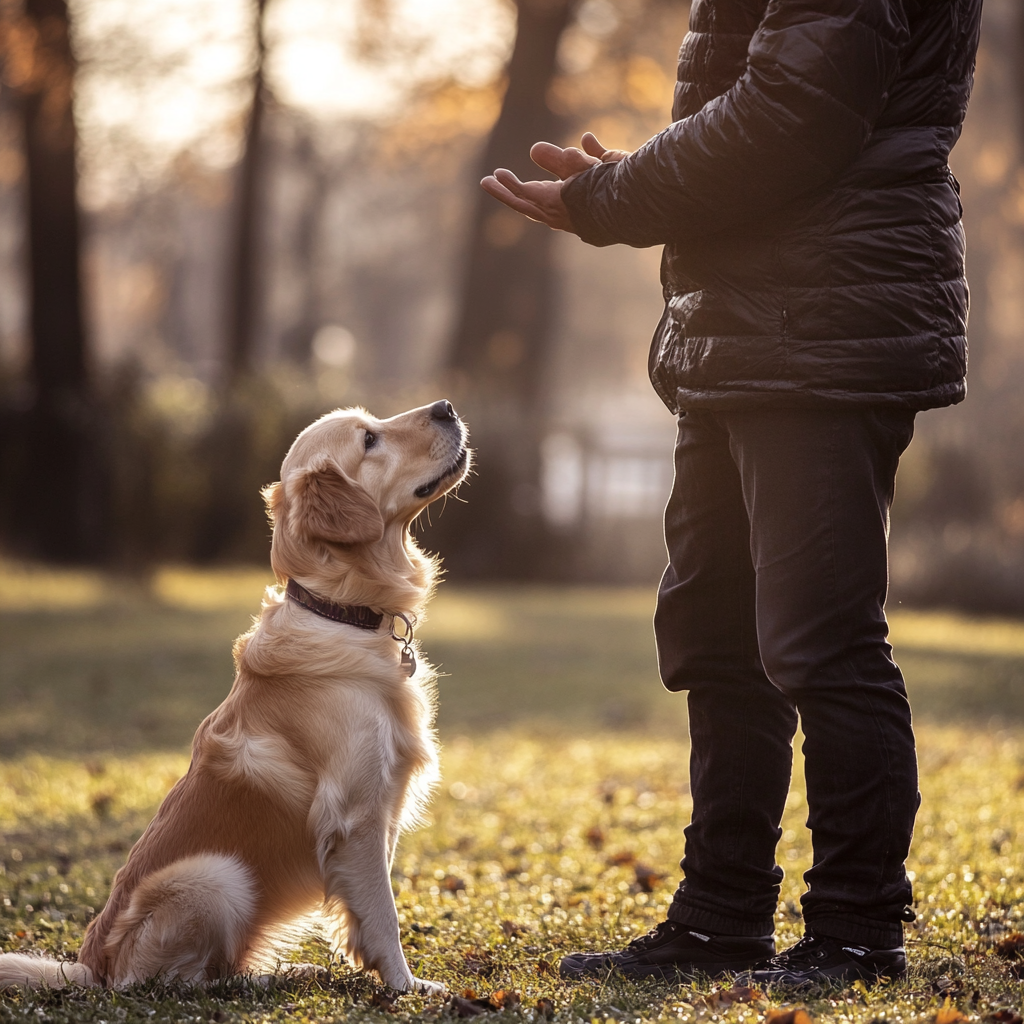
(814, 248)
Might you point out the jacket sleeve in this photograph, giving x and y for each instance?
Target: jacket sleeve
(816, 80)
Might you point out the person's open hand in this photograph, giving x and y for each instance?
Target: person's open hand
(542, 200)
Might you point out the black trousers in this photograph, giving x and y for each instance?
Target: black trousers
(772, 609)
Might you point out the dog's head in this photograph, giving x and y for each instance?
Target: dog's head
(352, 483)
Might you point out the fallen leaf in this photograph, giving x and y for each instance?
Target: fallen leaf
(948, 1014)
(595, 836)
(797, 1016)
(383, 1001)
(646, 878)
(1005, 1016)
(505, 1000)
(101, 804)
(722, 997)
(621, 858)
(1012, 947)
(480, 962)
(466, 1007)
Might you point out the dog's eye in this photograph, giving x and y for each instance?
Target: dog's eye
(370, 440)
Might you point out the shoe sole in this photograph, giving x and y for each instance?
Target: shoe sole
(841, 979)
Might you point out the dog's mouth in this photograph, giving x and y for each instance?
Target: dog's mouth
(453, 470)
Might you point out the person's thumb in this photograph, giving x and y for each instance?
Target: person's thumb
(596, 149)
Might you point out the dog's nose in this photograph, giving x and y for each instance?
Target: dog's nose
(443, 411)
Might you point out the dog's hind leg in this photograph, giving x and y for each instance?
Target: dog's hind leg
(357, 884)
(191, 920)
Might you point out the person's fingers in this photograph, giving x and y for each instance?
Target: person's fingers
(546, 155)
(538, 200)
(492, 186)
(576, 161)
(506, 178)
(559, 161)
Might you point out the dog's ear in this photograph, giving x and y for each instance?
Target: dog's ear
(273, 496)
(330, 506)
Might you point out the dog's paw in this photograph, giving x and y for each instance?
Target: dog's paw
(305, 972)
(427, 988)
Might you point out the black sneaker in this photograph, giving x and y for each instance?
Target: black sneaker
(817, 960)
(672, 951)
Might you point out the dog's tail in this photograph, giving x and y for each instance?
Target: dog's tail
(33, 971)
(190, 920)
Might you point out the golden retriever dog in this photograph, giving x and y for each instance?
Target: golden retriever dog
(322, 752)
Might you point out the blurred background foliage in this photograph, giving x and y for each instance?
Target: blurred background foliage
(219, 221)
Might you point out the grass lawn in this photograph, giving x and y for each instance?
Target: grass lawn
(558, 825)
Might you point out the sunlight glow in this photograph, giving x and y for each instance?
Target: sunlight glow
(158, 77)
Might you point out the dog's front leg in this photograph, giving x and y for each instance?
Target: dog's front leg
(357, 886)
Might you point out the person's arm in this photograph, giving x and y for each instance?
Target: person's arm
(816, 80)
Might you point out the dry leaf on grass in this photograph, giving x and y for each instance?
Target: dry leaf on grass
(1012, 947)
(462, 1007)
(723, 997)
(948, 1014)
(620, 859)
(646, 878)
(383, 1001)
(797, 1016)
(505, 999)
(480, 962)
(1005, 1016)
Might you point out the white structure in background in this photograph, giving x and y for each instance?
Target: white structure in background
(606, 481)
(589, 474)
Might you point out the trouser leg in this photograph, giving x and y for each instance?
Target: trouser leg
(741, 726)
(817, 486)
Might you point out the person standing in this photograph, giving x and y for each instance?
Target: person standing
(815, 300)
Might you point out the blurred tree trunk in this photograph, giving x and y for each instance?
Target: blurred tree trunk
(61, 510)
(505, 322)
(243, 296)
(230, 443)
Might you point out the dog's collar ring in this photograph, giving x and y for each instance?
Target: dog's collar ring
(405, 638)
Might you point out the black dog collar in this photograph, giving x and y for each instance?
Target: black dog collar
(356, 615)
(351, 614)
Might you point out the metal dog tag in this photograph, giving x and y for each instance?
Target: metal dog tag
(408, 661)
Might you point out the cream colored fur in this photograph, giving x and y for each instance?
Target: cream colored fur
(323, 751)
